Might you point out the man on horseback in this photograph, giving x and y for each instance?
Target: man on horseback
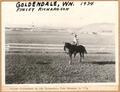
(74, 48)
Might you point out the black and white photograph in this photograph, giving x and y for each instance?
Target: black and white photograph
(58, 42)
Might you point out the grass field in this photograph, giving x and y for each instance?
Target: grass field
(33, 66)
(54, 68)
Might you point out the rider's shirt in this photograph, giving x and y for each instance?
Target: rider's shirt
(75, 40)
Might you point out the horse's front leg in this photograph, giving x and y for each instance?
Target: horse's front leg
(80, 57)
(70, 61)
(75, 54)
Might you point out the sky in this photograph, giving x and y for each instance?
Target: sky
(77, 16)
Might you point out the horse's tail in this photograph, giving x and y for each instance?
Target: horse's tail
(64, 48)
(85, 51)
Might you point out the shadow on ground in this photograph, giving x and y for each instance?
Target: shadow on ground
(101, 62)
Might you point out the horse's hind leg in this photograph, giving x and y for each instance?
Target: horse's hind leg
(83, 55)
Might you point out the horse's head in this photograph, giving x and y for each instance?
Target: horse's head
(67, 47)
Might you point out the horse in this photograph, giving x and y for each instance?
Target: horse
(71, 49)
